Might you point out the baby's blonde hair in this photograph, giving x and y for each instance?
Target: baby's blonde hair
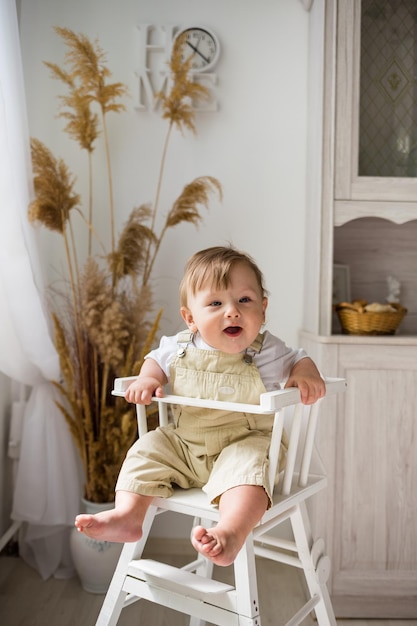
(212, 266)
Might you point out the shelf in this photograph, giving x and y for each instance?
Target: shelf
(394, 211)
(392, 340)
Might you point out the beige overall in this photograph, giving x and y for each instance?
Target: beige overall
(215, 450)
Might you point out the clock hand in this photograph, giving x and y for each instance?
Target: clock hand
(198, 52)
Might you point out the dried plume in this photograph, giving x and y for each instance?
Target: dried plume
(82, 123)
(88, 64)
(104, 319)
(129, 256)
(53, 184)
(195, 194)
(177, 105)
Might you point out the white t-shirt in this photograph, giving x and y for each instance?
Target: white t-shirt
(274, 362)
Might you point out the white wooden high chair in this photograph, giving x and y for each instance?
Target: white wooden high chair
(191, 589)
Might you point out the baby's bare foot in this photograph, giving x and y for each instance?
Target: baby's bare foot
(217, 544)
(109, 526)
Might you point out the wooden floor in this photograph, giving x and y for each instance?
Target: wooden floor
(27, 600)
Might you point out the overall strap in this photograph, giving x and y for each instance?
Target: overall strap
(256, 345)
(185, 336)
(255, 348)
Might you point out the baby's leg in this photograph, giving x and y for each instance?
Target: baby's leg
(240, 509)
(121, 524)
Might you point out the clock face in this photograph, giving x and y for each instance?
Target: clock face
(202, 46)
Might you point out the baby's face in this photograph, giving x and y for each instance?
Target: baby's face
(228, 319)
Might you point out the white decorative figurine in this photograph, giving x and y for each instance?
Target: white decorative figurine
(394, 287)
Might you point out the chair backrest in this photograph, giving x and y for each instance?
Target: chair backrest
(287, 412)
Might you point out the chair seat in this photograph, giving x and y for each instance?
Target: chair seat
(194, 502)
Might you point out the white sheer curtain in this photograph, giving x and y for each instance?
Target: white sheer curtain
(47, 491)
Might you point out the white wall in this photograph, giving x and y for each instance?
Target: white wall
(255, 144)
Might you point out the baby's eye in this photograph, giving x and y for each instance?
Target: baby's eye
(215, 303)
(245, 299)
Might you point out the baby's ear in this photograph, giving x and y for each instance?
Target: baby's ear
(264, 305)
(188, 318)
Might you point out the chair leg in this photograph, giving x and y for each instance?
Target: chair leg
(116, 596)
(246, 583)
(247, 604)
(203, 568)
(316, 573)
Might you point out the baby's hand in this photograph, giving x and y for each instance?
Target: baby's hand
(311, 388)
(306, 377)
(142, 390)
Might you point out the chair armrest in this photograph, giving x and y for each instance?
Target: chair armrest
(121, 384)
(275, 400)
(269, 402)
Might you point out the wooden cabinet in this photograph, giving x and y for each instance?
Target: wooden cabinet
(368, 221)
(368, 515)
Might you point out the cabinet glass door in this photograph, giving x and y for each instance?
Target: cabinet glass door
(376, 106)
(388, 89)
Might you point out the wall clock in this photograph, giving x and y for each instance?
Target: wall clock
(202, 45)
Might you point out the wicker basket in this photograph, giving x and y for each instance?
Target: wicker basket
(355, 320)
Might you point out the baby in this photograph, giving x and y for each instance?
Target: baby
(223, 355)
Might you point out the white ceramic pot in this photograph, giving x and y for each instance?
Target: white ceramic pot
(94, 561)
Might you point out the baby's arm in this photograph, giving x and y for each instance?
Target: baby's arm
(306, 377)
(149, 383)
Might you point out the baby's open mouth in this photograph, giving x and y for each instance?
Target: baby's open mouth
(232, 330)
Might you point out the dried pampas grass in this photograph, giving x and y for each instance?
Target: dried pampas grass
(103, 315)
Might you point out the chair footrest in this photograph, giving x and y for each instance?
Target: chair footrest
(169, 577)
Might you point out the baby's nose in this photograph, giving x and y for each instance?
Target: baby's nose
(232, 311)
